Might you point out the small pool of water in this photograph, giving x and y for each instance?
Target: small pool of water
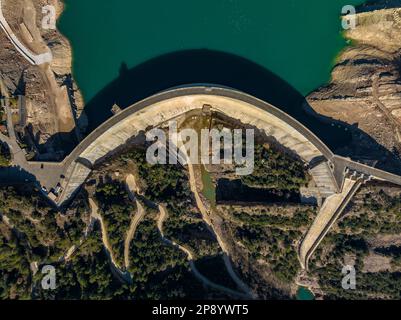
(304, 294)
(278, 51)
(209, 189)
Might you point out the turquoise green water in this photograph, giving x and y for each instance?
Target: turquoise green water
(209, 189)
(304, 294)
(296, 40)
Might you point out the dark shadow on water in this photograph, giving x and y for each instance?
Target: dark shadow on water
(378, 5)
(204, 66)
(212, 67)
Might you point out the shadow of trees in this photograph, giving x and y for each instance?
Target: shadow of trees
(17, 175)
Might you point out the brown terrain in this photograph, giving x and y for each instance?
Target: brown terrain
(364, 91)
(259, 240)
(51, 101)
(367, 236)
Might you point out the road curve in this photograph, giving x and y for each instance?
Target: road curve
(232, 94)
(162, 217)
(169, 104)
(123, 276)
(118, 129)
(209, 224)
(136, 220)
(328, 214)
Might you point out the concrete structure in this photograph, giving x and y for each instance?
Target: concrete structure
(168, 105)
(327, 216)
(326, 168)
(331, 173)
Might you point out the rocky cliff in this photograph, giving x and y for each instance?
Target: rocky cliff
(52, 96)
(365, 89)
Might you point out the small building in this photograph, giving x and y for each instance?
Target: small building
(115, 109)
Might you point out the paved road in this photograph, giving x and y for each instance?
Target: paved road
(18, 154)
(26, 53)
(367, 170)
(338, 162)
(206, 218)
(50, 176)
(198, 90)
(47, 174)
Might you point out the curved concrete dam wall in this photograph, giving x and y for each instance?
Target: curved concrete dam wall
(168, 105)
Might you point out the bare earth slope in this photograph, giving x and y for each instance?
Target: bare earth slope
(51, 95)
(365, 88)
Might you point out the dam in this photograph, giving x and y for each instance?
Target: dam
(336, 178)
(165, 106)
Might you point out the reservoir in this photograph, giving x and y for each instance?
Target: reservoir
(279, 51)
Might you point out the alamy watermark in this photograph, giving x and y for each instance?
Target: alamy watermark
(185, 147)
(49, 280)
(49, 17)
(349, 280)
(349, 18)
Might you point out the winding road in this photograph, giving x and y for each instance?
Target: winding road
(209, 224)
(132, 188)
(162, 217)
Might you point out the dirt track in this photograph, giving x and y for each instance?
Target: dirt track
(136, 220)
(162, 217)
(206, 218)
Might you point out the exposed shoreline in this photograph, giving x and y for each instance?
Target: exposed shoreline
(63, 6)
(363, 93)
